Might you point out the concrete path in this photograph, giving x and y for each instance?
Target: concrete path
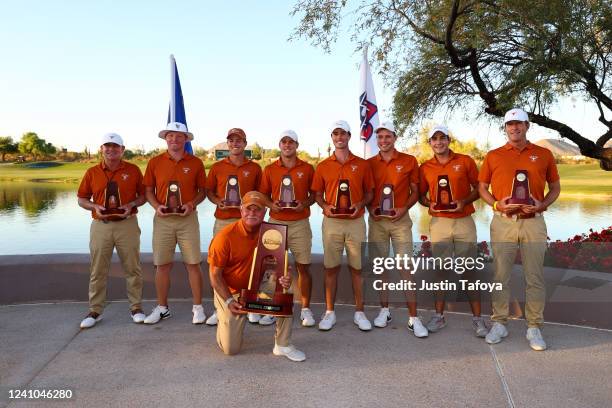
(174, 363)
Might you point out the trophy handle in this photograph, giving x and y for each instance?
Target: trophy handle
(286, 272)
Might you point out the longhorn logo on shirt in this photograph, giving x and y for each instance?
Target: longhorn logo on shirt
(246, 173)
(533, 158)
(300, 174)
(125, 176)
(457, 167)
(186, 170)
(353, 167)
(399, 168)
(367, 110)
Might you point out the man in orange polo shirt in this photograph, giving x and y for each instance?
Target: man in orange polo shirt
(163, 174)
(396, 175)
(287, 182)
(521, 224)
(100, 182)
(236, 168)
(354, 176)
(230, 257)
(452, 231)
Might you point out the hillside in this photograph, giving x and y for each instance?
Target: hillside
(559, 147)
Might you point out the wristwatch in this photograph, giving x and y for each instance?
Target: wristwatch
(229, 300)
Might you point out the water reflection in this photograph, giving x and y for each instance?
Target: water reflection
(48, 219)
(32, 198)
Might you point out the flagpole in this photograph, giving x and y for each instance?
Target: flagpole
(172, 89)
(365, 59)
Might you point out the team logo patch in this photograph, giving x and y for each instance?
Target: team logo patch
(399, 168)
(300, 174)
(354, 167)
(186, 170)
(125, 176)
(246, 173)
(533, 158)
(367, 110)
(457, 167)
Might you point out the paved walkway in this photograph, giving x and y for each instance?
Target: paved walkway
(174, 363)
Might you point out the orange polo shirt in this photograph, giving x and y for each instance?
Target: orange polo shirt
(356, 170)
(189, 172)
(400, 171)
(249, 177)
(232, 249)
(301, 176)
(462, 173)
(128, 177)
(500, 165)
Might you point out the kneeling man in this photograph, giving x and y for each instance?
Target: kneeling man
(230, 256)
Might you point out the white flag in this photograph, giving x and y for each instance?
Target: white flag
(368, 111)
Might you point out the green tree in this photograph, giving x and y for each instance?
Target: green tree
(7, 146)
(256, 151)
(33, 145)
(496, 53)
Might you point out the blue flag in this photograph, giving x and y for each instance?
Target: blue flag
(176, 110)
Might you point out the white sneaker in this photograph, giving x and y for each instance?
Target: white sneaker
(415, 324)
(267, 320)
(384, 317)
(138, 316)
(198, 314)
(362, 321)
(253, 317)
(91, 320)
(212, 320)
(496, 334)
(536, 342)
(290, 352)
(327, 320)
(159, 313)
(307, 317)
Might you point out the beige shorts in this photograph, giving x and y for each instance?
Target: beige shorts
(220, 224)
(299, 237)
(339, 234)
(398, 233)
(172, 230)
(453, 236)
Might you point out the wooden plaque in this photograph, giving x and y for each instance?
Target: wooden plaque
(112, 202)
(343, 199)
(265, 295)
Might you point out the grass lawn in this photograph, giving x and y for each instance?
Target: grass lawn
(576, 179)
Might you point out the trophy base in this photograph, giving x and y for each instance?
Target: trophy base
(288, 204)
(342, 211)
(231, 204)
(386, 213)
(521, 201)
(113, 214)
(281, 304)
(173, 211)
(444, 207)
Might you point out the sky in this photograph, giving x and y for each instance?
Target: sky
(74, 70)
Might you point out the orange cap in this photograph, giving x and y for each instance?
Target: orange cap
(255, 198)
(237, 132)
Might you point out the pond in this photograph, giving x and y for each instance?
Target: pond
(44, 218)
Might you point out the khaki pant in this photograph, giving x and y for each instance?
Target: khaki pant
(231, 327)
(453, 237)
(220, 224)
(339, 234)
(172, 230)
(399, 234)
(299, 239)
(530, 235)
(103, 238)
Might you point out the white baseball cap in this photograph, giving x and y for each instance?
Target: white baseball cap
(385, 125)
(291, 134)
(112, 138)
(175, 127)
(340, 124)
(516, 114)
(438, 128)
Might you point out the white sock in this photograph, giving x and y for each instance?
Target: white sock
(384, 309)
(163, 308)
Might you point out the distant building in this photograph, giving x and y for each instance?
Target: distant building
(220, 151)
